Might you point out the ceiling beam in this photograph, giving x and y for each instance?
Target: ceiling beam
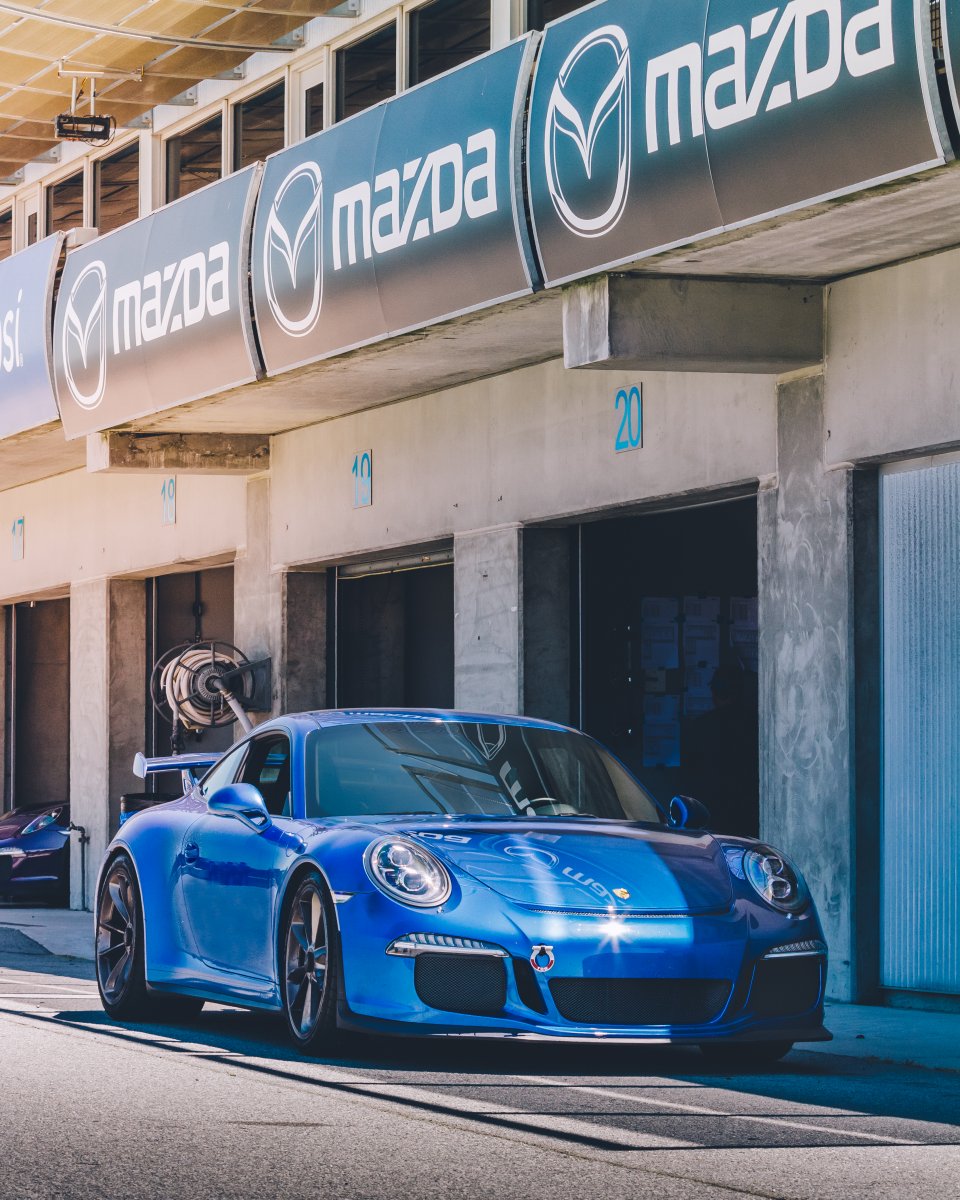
(141, 35)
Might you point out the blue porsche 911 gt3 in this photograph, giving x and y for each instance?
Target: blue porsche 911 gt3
(452, 874)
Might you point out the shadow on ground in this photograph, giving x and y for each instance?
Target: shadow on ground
(845, 1087)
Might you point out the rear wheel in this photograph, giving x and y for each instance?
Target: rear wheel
(121, 977)
(740, 1059)
(310, 966)
(119, 946)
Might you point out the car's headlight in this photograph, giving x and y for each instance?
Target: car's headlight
(775, 879)
(38, 824)
(408, 873)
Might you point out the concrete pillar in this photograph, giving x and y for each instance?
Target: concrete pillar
(303, 635)
(807, 675)
(281, 615)
(488, 582)
(108, 631)
(258, 592)
(546, 624)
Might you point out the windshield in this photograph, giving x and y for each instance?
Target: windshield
(439, 767)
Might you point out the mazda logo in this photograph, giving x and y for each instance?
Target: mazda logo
(84, 336)
(588, 134)
(293, 251)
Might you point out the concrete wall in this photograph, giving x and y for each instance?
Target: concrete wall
(806, 670)
(488, 586)
(107, 713)
(529, 446)
(303, 641)
(80, 526)
(893, 361)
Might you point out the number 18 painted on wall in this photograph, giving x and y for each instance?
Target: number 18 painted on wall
(362, 472)
(629, 406)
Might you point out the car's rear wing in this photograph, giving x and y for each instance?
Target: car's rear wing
(190, 766)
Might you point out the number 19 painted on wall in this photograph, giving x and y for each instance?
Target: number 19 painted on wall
(362, 472)
(629, 404)
(168, 496)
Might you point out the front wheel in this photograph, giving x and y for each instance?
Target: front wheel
(741, 1059)
(310, 966)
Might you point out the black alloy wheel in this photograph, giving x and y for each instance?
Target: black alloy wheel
(309, 980)
(119, 945)
(121, 977)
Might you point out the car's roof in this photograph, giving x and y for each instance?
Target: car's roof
(358, 716)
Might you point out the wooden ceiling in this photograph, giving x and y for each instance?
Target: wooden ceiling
(174, 43)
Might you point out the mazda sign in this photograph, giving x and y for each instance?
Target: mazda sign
(654, 125)
(406, 214)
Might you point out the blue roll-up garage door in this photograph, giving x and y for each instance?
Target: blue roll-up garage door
(921, 728)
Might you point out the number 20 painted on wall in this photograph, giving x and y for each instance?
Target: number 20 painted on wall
(629, 404)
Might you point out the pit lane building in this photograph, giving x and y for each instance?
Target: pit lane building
(513, 354)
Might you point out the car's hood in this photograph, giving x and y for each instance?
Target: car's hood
(602, 866)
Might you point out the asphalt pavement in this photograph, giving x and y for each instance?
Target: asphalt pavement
(222, 1107)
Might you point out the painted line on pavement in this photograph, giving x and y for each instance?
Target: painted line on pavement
(702, 1111)
(49, 996)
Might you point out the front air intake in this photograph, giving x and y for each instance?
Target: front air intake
(640, 1001)
(786, 986)
(453, 983)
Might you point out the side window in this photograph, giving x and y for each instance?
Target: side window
(224, 772)
(268, 769)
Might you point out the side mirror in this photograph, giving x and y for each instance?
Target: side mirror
(686, 813)
(243, 802)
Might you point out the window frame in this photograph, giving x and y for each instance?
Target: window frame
(408, 11)
(95, 166)
(395, 17)
(235, 110)
(239, 751)
(50, 183)
(215, 112)
(9, 211)
(256, 740)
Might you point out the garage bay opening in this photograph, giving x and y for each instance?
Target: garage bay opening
(394, 633)
(669, 652)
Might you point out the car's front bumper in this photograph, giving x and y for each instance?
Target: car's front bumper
(381, 989)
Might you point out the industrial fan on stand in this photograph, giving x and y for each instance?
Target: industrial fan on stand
(197, 686)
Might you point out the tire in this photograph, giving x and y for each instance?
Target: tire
(121, 977)
(118, 948)
(742, 1058)
(309, 965)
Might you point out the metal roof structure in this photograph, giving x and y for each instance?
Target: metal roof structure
(134, 53)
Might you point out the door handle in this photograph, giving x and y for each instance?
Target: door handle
(191, 852)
